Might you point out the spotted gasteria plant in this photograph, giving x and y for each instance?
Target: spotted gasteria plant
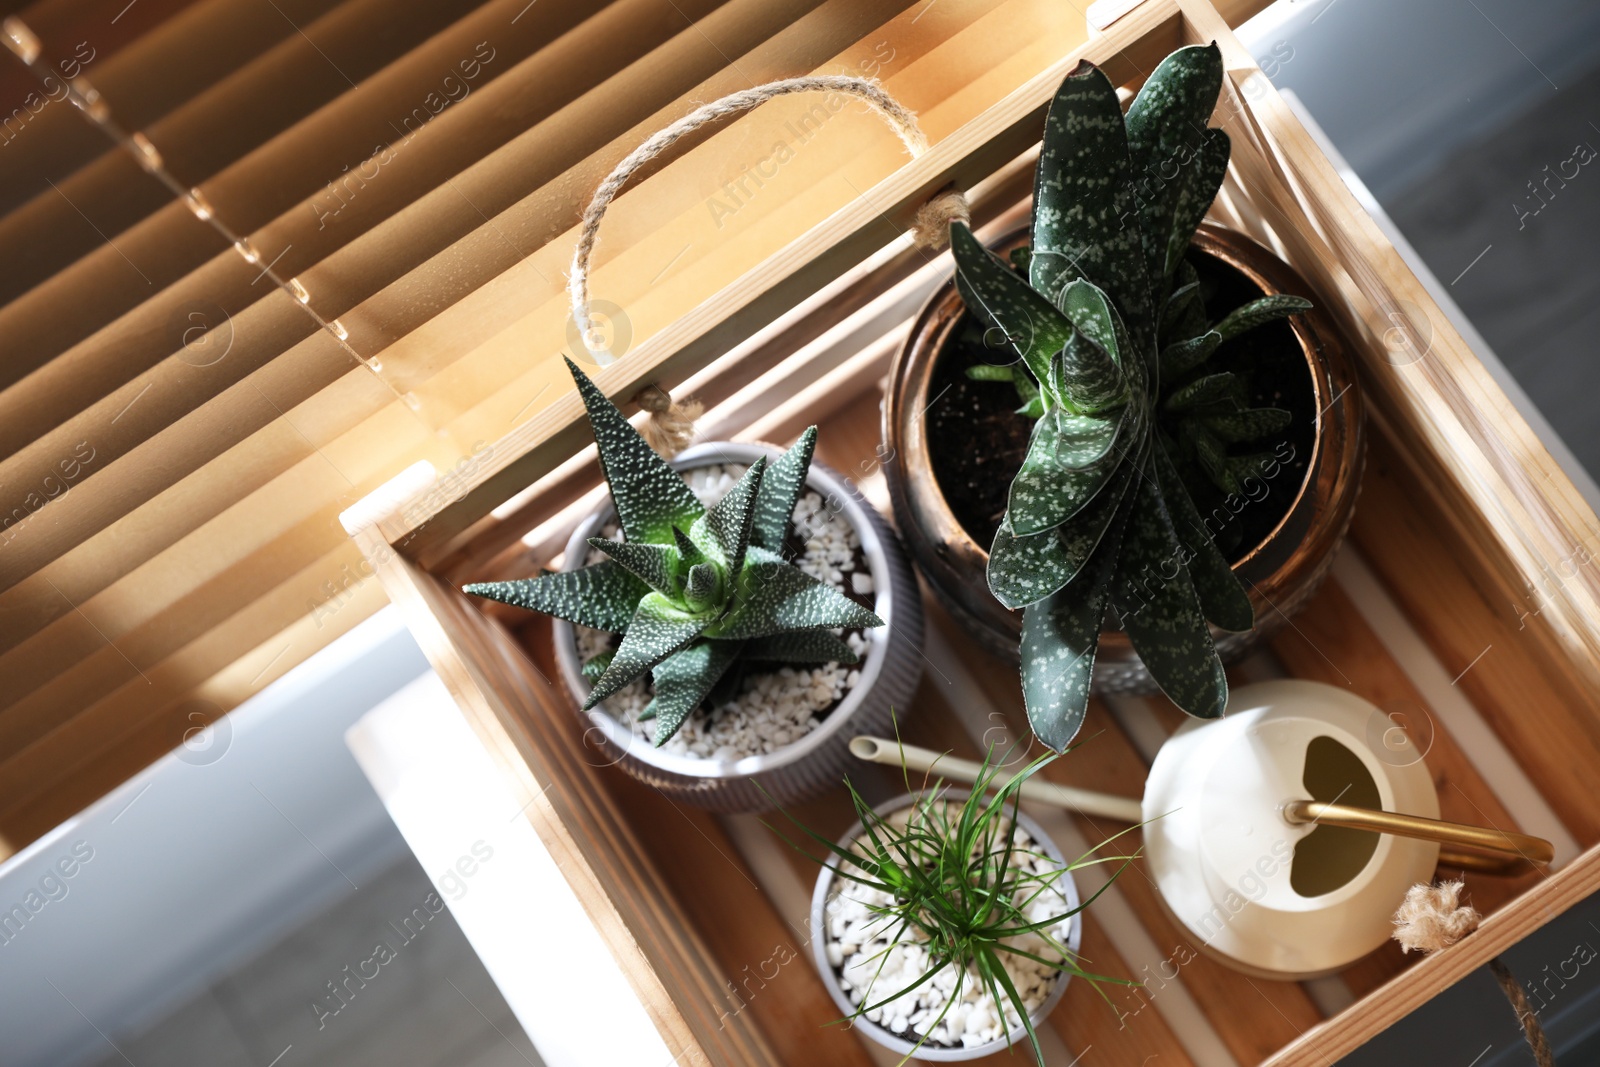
(1113, 341)
(697, 593)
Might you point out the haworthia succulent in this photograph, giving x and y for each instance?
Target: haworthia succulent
(781, 487)
(727, 522)
(1201, 391)
(1156, 602)
(656, 565)
(1033, 325)
(776, 598)
(601, 597)
(1256, 312)
(809, 646)
(1084, 216)
(1222, 598)
(682, 570)
(658, 629)
(684, 679)
(651, 498)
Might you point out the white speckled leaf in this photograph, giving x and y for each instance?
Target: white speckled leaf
(688, 552)
(1267, 308)
(1181, 357)
(651, 498)
(1060, 636)
(1033, 325)
(778, 598)
(1156, 602)
(1222, 597)
(1085, 218)
(656, 565)
(656, 631)
(683, 680)
(1249, 425)
(807, 646)
(1185, 313)
(1025, 570)
(781, 487)
(1050, 488)
(603, 596)
(1197, 189)
(727, 522)
(1166, 127)
(701, 585)
(1085, 375)
(1207, 390)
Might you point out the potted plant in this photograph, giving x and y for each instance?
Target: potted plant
(729, 620)
(946, 923)
(1150, 428)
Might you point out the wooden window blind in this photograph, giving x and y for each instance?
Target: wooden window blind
(257, 259)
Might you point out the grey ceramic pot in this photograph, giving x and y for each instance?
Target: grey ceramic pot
(882, 1034)
(890, 669)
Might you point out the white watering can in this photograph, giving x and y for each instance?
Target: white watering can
(1282, 835)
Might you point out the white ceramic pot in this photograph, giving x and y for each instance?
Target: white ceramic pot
(890, 669)
(1018, 1037)
(1268, 897)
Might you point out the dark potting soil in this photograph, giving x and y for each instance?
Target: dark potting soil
(977, 441)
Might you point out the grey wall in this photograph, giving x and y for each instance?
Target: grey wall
(198, 866)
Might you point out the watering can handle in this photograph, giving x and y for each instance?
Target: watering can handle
(1513, 846)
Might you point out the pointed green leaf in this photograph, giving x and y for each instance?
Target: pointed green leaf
(683, 680)
(602, 596)
(655, 565)
(1207, 390)
(1249, 425)
(781, 487)
(1060, 636)
(651, 498)
(688, 552)
(1085, 219)
(596, 665)
(1184, 316)
(1166, 127)
(1156, 602)
(1266, 309)
(1184, 356)
(776, 598)
(656, 631)
(1198, 189)
(1058, 477)
(1222, 597)
(1033, 325)
(700, 590)
(728, 521)
(1210, 453)
(807, 646)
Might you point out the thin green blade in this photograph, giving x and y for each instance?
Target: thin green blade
(728, 520)
(1197, 190)
(1033, 325)
(1256, 312)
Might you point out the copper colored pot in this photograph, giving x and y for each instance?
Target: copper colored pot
(1281, 572)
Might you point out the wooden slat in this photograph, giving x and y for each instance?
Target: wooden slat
(1515, 674)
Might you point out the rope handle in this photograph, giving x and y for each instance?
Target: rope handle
(930, 226)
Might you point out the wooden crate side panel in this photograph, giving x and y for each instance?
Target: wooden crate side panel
(519, 717)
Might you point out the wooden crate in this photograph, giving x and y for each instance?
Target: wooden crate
(1466, 602)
